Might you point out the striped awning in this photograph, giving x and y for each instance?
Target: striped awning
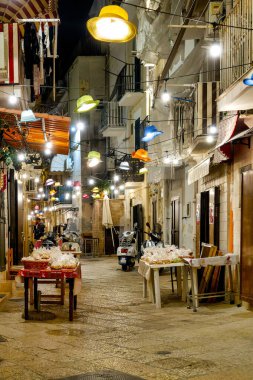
(31, 136)
(12, 10)
(198, 171)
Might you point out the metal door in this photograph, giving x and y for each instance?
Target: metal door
(175, 222)
(247, 237)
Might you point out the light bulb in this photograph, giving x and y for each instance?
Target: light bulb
(209, 139)
(122, 187)
(24, 175)
(69, 182)
(167, 160)
(212, 129)
(116, 191)
(41, 189)
(112, 28)
(215, 50)
(112, 187)
(116, 178)
(93, 162)
(91, 181)
(13, 99)
(47, 151)
(49, 144)
(36, 180)
(21, 156)
(73, 129)
(166, 96)
(80, 126)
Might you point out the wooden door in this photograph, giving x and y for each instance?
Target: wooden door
(175, 222)
(247, 237)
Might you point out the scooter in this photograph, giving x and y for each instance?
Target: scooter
(126, 251)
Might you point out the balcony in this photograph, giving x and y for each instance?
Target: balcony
(236, 60)
(127, 90)
(113, 120)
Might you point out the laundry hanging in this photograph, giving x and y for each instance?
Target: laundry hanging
(9, 57)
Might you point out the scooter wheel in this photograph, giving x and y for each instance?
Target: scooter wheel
(124, 268)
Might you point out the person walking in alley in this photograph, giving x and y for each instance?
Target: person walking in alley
(38, 229)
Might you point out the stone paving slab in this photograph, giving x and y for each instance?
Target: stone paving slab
(115, 329)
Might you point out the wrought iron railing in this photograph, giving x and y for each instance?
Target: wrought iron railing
(237, 49)
(128, 80)
(113, 116)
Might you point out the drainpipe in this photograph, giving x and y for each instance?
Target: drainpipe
(228, 6)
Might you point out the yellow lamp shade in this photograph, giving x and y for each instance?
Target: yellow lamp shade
(85, 103)
(112, 25)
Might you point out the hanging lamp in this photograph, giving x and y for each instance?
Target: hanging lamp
(93, 159)
(85, 103)
(141, 154)
(248, 81)
(112, 25)
(143, 171)
(28, 116)
(124, 165)
(150, 132)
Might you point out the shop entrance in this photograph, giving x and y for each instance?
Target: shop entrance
(175, 222)
(247, 237)
(208, 218)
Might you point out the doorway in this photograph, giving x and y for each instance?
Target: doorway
(247, 237)
(175, 222)
(138, 218)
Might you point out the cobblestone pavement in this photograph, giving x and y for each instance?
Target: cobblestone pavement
(116, 329)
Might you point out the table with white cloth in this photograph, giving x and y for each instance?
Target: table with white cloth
(228, 261)
(151, 280)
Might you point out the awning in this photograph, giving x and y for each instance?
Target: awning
(31, 134)
(10, 11)
(199, 171)
(228, 128)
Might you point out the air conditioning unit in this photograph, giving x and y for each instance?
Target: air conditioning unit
(68, 164)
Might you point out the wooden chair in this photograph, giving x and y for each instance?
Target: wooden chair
(12, 270)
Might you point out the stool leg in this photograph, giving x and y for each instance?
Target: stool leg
(35, 290)
(62, 291)
(172, 281)
(26, 283)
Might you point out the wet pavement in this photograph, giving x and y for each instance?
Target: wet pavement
(116, 334)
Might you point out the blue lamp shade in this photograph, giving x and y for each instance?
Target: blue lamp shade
(248, 81)
(150, 133)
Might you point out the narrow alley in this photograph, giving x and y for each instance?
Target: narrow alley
(115, 331)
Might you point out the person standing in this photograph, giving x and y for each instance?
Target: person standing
(38, 229)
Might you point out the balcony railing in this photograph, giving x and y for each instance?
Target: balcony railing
(128, 80)
(113, 119)
(237, 48)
